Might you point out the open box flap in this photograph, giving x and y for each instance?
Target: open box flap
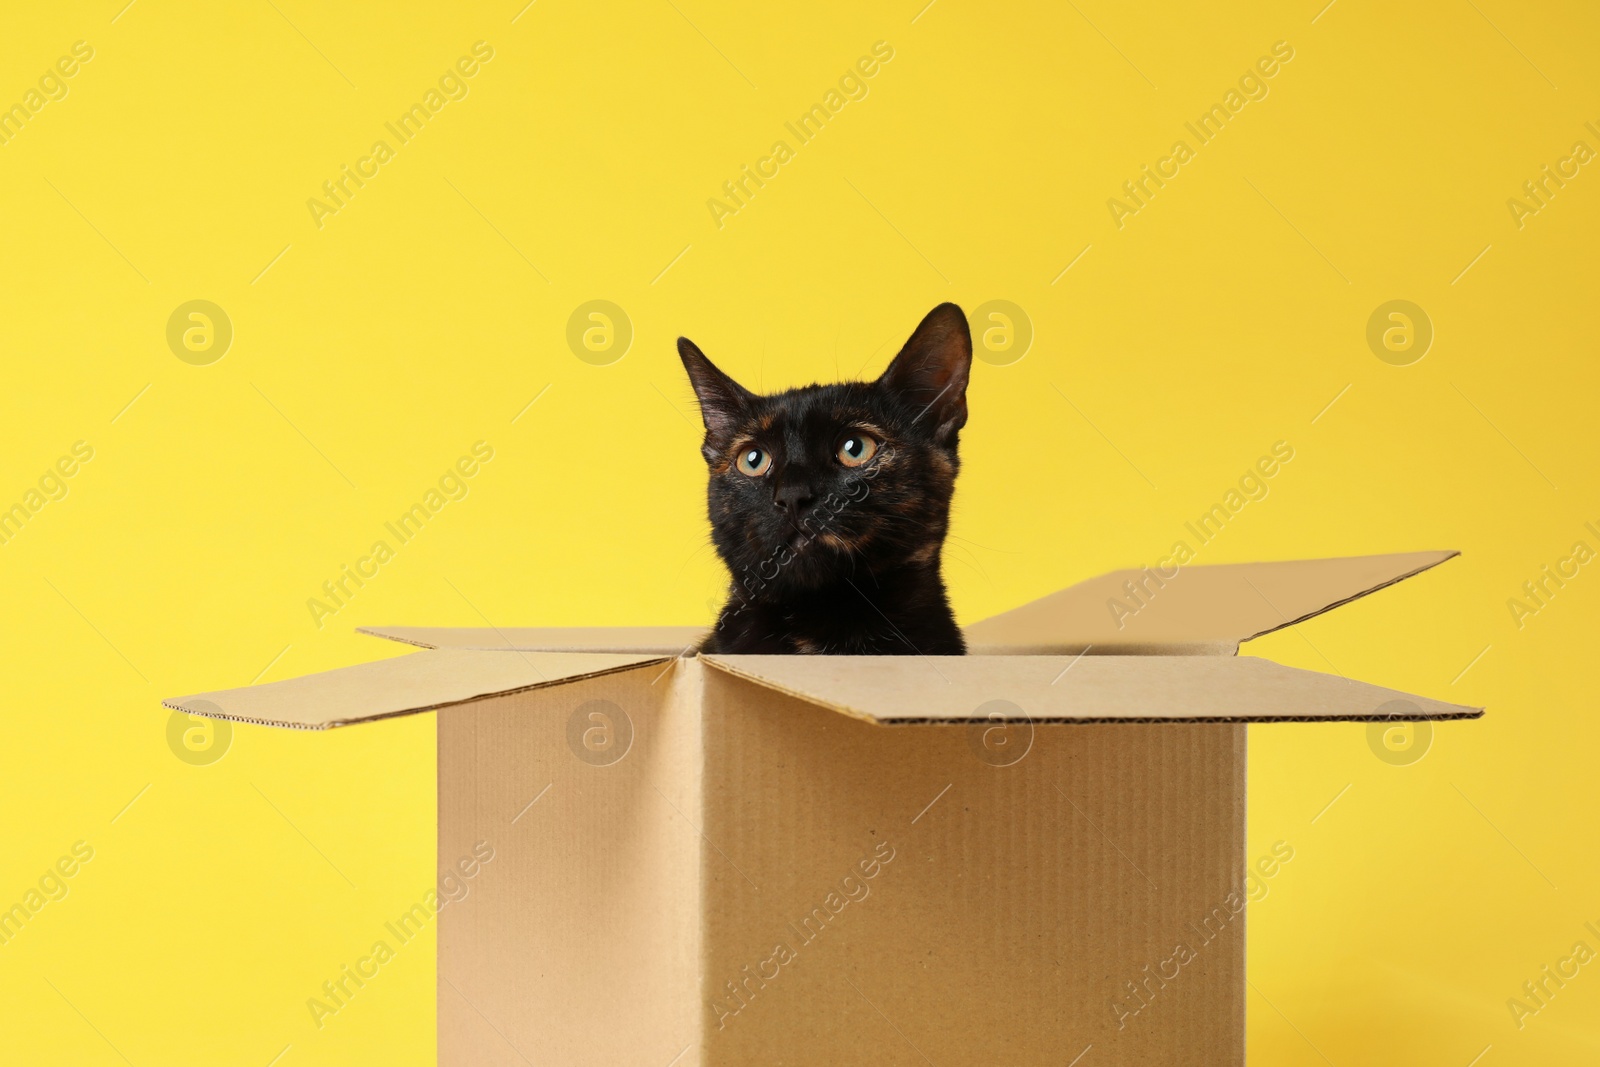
(403, 685)
(663, 640)
(1207, 609)
(902, 690)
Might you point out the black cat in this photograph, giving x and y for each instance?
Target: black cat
(829, 503)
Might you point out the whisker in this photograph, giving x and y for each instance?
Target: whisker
(973, 562)
(986, 548)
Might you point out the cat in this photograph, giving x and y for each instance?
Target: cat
(829, 503)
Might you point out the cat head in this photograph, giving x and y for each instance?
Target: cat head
(823, 482)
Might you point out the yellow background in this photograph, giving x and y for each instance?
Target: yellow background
(424, 316)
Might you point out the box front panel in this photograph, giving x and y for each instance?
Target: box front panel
(575, 941)
(969, 894)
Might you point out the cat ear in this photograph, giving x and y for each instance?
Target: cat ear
(722, 400)
(932, 369)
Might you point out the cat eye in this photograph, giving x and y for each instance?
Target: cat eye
(857, 449)
(754, 462)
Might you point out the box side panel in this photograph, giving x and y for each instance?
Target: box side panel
(402, 685)
(666, 640)
(1218, 604)
(913, 690)
(577, 943)
(969, 894)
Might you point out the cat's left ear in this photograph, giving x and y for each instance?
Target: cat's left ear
(722, 400)
(932, 369)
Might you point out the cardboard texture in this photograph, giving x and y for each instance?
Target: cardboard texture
(1210, 609)
(666, 640)
(1007, 857)
(425, 681)
(906, 690)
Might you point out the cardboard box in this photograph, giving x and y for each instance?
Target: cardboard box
(1010, 857)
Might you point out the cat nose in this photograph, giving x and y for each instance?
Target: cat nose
(796, 500)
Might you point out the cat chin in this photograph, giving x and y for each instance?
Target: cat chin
(800, 564)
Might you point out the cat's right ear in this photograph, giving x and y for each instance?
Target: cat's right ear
(723, 401)
(932, 370)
